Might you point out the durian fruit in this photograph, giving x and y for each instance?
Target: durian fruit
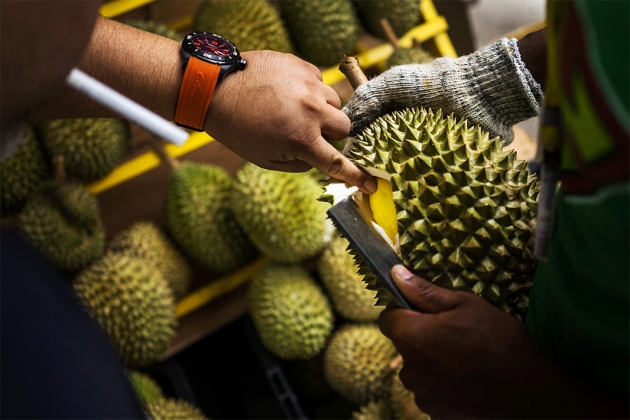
(250, 25)
(290, 312)
(373, 410)
(403, 403)
(357, 363)
(155, 28)
(200, 218)
(323, 30)
(339, 275)
(22, 172)
(465, 210)
(133, 304)
(402, 15)
(280, 213)
(172, 409)
(413, 55)
(90, 147)
(146, 240)
(145, 386)
(63, 224)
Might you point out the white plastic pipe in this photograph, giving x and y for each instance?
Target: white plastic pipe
(119, 103)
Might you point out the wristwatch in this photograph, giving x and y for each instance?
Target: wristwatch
(207, 58)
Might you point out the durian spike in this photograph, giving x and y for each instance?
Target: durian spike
(389, 33)
(350, 68)
(158, 148)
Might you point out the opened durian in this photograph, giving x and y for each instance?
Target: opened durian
(250, 25)
(22, 172)
(146, 388)
(63, 224)
(339, 275)
(145, 240)
(280, 213)
(172, 409)
(200, 218)
(290, 312)
(90, 147)
(133, 304)
(323, 30)
(461, 211)
(357, 363)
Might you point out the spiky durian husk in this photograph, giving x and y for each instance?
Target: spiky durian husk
(403, 403)
(155, 28)
(250, 25)
(402, 56)
(280, 213)
(172, 409)
(200, 218)
(133, 304)
(402, 15)
(357, 363)
(146, 388)
(466, 210)
(290, 312)
(63, 224)
(339, 275)
(90, 147)
(323, 31)
(22, 172)
(145, 240)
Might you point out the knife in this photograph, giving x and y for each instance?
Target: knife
(368, 244)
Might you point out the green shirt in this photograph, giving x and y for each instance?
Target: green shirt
(580, 303)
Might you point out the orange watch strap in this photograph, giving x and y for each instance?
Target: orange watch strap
(200, 79)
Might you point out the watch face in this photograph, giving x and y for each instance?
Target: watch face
(210, 47)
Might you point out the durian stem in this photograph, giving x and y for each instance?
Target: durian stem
(396, 362)
(158, 148)
(352, 70)
(59, 172)
(389, 33)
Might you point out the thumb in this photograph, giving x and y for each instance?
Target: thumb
(424, 295)
(329, 160)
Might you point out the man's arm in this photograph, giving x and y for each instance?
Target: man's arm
(277, 113)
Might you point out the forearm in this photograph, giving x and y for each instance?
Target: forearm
(140, 65)
(533, 49)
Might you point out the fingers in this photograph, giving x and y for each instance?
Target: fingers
(336, 125)
(291, 166)
(329, 160)
(424, 295)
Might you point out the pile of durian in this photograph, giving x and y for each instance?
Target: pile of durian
(319, 31)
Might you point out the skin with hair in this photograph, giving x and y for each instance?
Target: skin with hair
(277, 113)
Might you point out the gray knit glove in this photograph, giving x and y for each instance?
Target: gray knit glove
(490, 87)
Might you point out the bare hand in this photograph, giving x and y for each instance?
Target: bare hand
(465, 358)
(278, 114)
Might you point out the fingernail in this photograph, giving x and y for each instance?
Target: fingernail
(370, 186)
(400, 273)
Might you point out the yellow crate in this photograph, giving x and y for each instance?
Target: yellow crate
(434, 28)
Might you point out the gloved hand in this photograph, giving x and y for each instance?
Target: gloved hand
(490, 87)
